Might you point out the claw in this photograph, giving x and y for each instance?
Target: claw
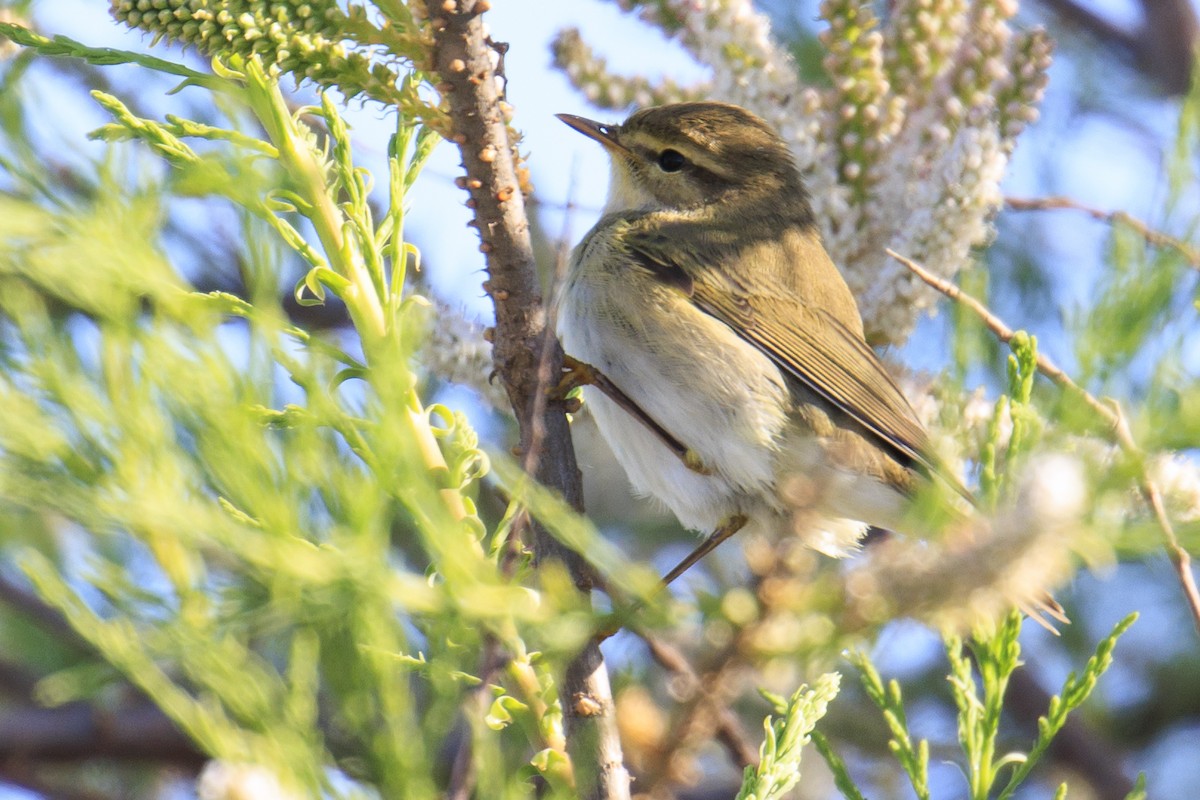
(575, 374)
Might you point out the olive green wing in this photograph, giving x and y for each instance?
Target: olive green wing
(807, 343)
(823, 355)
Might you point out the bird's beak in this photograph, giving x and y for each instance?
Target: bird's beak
(604, 134)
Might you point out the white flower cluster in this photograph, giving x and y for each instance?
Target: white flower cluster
(749, 68)
(906, 149)
(225, 780)
(1178, 477)
(455, 351)
(982, 566)
(590, 73)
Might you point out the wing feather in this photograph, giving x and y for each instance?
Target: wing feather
(827, 358)
(806, 342)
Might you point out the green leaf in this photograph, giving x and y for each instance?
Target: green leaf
(778, 769)
(64, 47)
(841, 775)
(500, 715)
(914, 759)
(1138, 792)
(1075, 692)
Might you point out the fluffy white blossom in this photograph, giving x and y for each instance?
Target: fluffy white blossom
(456, 351)
(225, 780)
(982, 565)
(1178, 478)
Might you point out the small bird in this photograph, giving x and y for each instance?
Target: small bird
(705, 296)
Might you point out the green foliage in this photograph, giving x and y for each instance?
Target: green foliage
(1015, 407)
(1075, 691)
(997, 656)
(305, 40)
(980, 669)
(282, 548)
(778, 768)
(888, 698)
(841, 775)
(1139, 788)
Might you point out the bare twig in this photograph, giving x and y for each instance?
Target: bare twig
(729, 729)
(1109, 412)
(462, 60)
(1163, 44)
(1153, 237)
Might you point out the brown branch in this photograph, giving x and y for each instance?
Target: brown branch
(1163, 45)
(80, 731)
(1077, 745)
(1153, 237)
(728, 728)
(461, 58)
(1108, 412)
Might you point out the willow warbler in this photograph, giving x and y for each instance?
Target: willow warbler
(705, 295)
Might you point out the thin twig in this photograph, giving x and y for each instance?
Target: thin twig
(1154, 238)
(728, 728)
(461, 57)
(1109, 412)
(1163, 44)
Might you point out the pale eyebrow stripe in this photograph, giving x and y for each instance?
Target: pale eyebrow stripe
(653, 146)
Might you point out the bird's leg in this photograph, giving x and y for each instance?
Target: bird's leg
(727, 529)
(577, 373)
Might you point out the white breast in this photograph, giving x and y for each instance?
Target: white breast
(715, 394)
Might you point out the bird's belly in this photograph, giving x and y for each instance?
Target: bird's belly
(715, 394)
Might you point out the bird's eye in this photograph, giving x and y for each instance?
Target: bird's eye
(671, 160)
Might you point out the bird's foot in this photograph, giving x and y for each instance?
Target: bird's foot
(575, 374)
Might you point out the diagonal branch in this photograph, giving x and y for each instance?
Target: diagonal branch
(728, 728)
(525, 356)
(1108, 412)
(1153, 237)
(1163, 44)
